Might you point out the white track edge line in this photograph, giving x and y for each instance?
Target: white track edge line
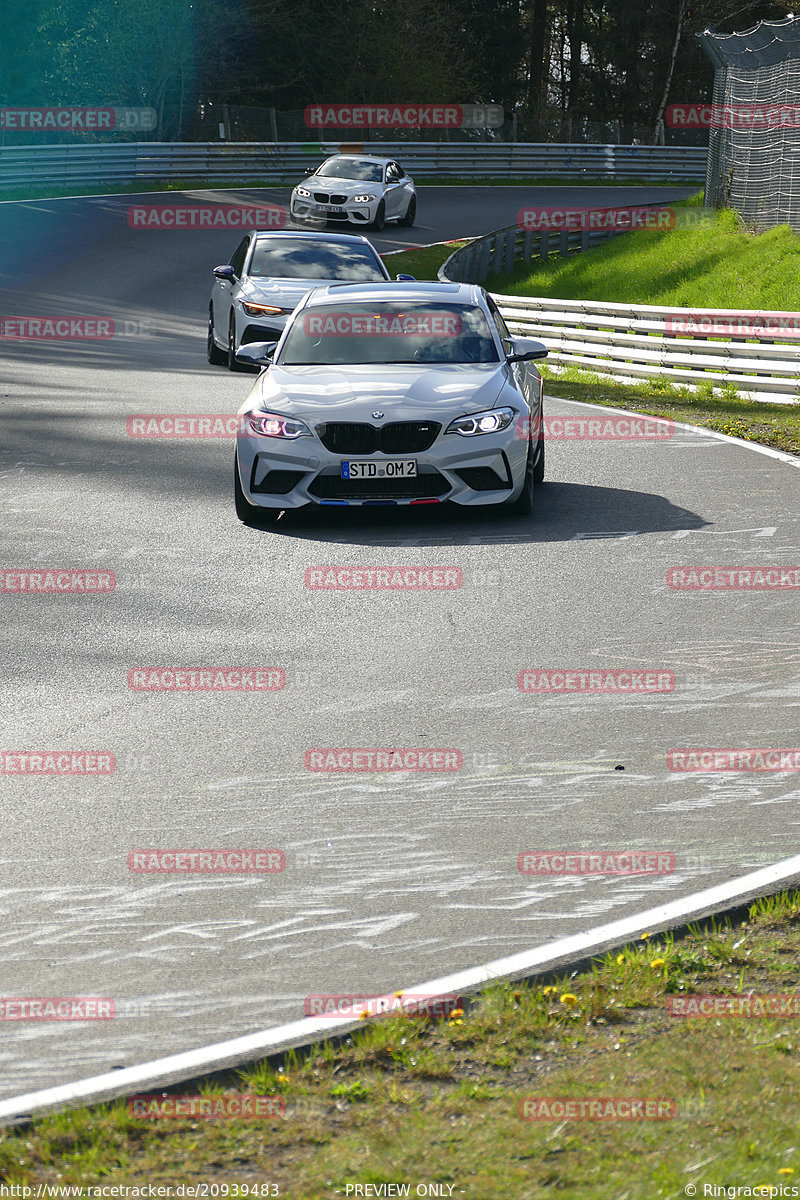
(557, 954)
(792, 459)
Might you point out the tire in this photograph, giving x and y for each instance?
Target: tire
(411, 213)
(523, 505)
(538, 470)
(249, 514)
(380, 218)
(230, 357)
(215, 356)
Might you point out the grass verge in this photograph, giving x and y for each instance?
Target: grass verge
(408, 1101)
(422, 262)
(185, 185)
(715, 263)
(721, 409)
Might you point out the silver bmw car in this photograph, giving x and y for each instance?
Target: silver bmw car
(387, 394)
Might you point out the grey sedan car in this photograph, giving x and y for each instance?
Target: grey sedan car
(376, 395)
(269, 273)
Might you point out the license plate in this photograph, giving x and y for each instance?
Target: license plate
(405, 468)
(327, 208)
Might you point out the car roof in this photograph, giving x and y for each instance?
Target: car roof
(308, 236)
(452, 293)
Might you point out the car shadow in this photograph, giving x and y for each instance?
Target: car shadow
(562, 512)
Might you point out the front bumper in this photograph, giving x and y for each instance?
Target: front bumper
(278, 474)
(354, 214)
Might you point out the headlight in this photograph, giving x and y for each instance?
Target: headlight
(260, 310)
(483, 422)
(298, 191)
(267, 424)
(362, 199)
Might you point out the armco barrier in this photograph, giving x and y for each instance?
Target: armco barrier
(266, 162)
(636, 341)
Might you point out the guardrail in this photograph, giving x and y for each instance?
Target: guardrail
(267, 162)
(638, 341)
(630, 341)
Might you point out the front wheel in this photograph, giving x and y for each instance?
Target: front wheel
(411, 213)
(523, 505)
(538, 470)
(215, 356)
(380, 218)
(233, 365)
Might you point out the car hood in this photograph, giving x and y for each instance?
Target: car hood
(345, 187)
(353, 393)
(283, 292)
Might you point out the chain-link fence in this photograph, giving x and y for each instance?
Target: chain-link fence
(754, 137)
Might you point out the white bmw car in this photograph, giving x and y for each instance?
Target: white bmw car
(269, 273)
(375, 398)
(358, 189)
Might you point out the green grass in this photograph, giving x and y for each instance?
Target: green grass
(721, 408)
(716, 263)
(411, 1101)
(422, 262)
(183, 185)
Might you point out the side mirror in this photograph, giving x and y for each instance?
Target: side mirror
(224, 273)
(310, 171)
(405, 278)
(256, 354)
(526, 350)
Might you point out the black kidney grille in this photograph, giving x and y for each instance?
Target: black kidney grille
(342, 438)
(408, 437)
(322, 197)
(401, 437)
(338, 199)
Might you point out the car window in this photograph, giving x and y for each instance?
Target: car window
(239, 255)
(388, 332)
(296, 258)
(351, 168)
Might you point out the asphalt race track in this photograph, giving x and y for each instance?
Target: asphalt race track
(389, 878)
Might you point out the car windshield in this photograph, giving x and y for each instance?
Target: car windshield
(294, 258)
(388, 332)
(352, 168)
